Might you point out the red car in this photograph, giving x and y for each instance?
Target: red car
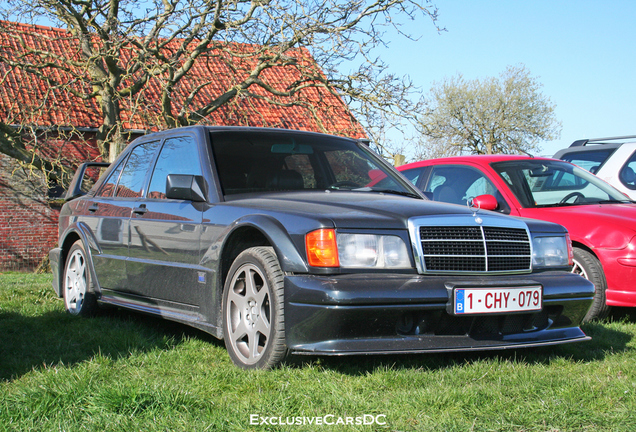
(600, 219)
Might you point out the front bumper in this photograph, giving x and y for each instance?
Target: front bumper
(619, 267)
(390, 314)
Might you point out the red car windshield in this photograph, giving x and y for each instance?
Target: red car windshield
(545, 183)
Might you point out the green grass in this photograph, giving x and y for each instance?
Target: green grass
(122, 372)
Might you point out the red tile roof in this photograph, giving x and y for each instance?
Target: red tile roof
(22, 92)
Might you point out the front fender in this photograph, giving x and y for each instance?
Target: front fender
(270, 228)
(288, 255)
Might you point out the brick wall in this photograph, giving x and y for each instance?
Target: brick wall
(28, 224)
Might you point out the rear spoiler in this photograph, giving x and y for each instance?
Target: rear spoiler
(75, 188)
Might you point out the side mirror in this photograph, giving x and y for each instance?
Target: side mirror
(485, 202)
(185, 187)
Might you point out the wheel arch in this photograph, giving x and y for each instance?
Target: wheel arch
(576, 244)
(594, 271)
(260, 230)
(82, 233)
(251, 232)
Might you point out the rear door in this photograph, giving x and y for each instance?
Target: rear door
(108, 215)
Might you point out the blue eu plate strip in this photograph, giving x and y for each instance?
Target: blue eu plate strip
(459, 301)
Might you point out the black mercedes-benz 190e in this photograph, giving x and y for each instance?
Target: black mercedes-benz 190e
(286, 242)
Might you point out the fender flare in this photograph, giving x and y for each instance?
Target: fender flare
(91, 246)
(288, 255)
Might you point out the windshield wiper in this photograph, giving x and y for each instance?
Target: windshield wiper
(568, 204)
(370, 189)
(559, 205)
(613, 201)
(391, 191)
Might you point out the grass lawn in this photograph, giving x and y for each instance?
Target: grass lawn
(127, 372)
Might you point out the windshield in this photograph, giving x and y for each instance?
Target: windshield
(545, 183)
(257, 161)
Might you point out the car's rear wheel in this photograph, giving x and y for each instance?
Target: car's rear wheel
(588, 266)
(253, 310)
(78, 300)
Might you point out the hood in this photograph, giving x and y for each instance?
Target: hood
(347, 209)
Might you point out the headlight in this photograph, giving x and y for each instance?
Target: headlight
(356, 250)
(372, 251)
(551, 251)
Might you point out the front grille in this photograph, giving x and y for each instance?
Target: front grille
(475, 249)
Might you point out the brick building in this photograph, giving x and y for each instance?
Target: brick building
(59, 126)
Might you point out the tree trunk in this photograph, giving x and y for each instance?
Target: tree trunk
(109, 136)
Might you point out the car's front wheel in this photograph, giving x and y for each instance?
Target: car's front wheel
(78, 300)
(253, 310)
(588, 266)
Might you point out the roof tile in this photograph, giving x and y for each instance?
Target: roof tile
(24, 97)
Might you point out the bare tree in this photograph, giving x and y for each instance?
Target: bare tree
(508, 114)
(122, 50)
(384, 102)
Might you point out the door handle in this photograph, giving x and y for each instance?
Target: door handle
(141, 210)
(93, 208)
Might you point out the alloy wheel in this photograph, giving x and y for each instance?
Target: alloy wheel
(249, 313)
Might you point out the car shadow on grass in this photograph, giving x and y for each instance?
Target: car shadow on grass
(623, 314)
(55, 337)
(28, 342)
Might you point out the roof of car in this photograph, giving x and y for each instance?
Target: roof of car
(482, 159)
(594, 144)
(618, 140)
(588, 148)
(183, 129)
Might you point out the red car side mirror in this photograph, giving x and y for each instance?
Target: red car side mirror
(485, 202)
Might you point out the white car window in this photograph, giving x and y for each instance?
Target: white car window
(589, 160)
(627, 174)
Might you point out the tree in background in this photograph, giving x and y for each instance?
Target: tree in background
(508, 115)
(123, 47)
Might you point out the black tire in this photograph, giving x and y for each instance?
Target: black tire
(253, 310)
(588, 266)
(79, 299)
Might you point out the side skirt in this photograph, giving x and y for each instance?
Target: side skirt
(182, 313)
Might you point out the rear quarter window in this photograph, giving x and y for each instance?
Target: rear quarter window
(590, 161)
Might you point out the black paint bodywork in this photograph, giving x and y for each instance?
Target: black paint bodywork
(171, 257)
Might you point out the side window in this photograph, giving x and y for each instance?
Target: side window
(134, 173)
(413, 175)
(627, 175)
(178, 156)
(480, 186)
(111, 182)
(457, 184)
(437, 179)
(589, 160)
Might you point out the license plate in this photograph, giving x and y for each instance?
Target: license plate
(497, 300)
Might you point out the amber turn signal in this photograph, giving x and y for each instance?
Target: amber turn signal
(322, 248)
